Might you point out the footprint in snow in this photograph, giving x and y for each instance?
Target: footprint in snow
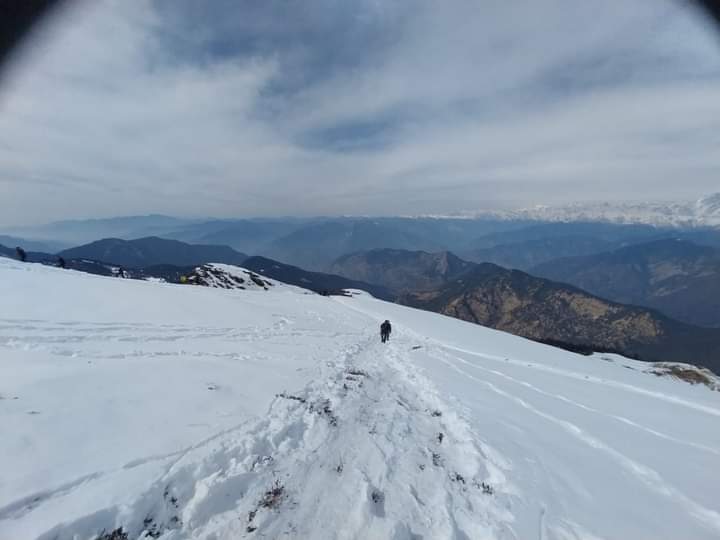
(377, 498)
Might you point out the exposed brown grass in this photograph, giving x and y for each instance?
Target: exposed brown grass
(687, 373)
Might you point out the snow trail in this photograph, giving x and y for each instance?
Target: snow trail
(370, 436)
(574, 403)
(645, 474)
(576, 468)
(584, 377)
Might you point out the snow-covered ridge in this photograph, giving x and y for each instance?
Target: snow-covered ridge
(701, 213)
(179, 412)
(709, 207)
(705, 212)
(227, 276)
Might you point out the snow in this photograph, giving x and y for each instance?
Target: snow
(709, 207)
(227, 276)
(705, 212)
(193, 412)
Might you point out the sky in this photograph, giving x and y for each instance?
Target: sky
(243, 108)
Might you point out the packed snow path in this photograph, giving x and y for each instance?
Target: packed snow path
(234, 414)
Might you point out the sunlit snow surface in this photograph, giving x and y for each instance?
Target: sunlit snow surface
(191, 412)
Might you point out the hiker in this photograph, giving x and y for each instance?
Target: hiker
(21, 253)
(385, 330)
(61, 262)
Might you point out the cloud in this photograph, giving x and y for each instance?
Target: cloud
(394, 107)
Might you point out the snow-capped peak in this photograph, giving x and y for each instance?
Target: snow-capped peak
(701, 213)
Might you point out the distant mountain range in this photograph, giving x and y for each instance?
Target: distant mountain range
(292, 240)
(315, 243)
(676, 277)
(81, 231)
(153, 251)
(246, 235)
(314, 281)
(703, 212)
(559, 314)
(527, 247)
(401, 270)
(32, 245)
(518, 244)
(528, 253)
(609, 233)
(316, 246)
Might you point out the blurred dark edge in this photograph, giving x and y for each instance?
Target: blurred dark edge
(712, 8)
(18, 17)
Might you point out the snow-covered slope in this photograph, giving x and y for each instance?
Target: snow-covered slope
(189, 412)
(228, 276)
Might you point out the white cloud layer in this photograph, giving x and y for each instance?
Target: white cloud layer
(398, 107)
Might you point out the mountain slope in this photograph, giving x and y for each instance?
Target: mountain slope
(83, 265)
(190, 412)
(547, 311)
(246, 235)
(525, 254)
(314, 281)
(317, 245)
(251, 236)
(153, 251)
(401, 270)
(7, 252)
(679, 278)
